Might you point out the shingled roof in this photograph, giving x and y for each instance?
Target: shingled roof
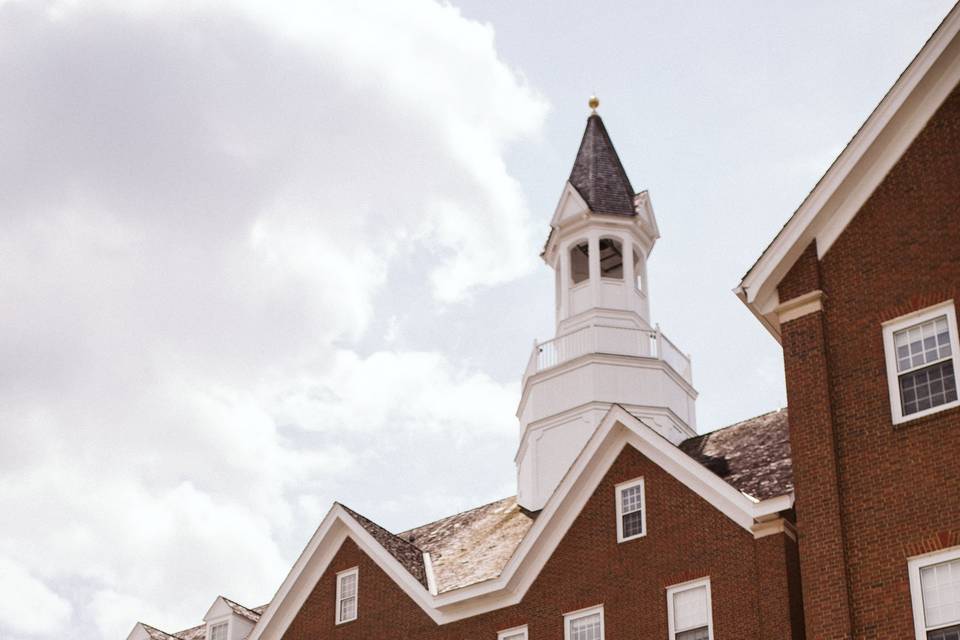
(199, 632)
(406, 553)
(598, 175)
(753, 455)
(473, 546)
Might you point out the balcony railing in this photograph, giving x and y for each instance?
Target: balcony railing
(610, 340)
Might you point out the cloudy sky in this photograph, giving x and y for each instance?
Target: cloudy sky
(255, 257)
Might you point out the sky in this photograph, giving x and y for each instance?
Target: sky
(257, 257)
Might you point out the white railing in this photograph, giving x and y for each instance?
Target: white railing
(608, 339)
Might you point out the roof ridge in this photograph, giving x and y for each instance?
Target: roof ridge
(740, 422)
(454, 515)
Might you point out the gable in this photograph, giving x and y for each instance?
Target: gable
(576, 575)
(616, 431)
(858, 170)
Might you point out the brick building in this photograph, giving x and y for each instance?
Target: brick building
(627, 523)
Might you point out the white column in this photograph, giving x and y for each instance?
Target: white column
(629, 285)
(594, 243)
(564, 284)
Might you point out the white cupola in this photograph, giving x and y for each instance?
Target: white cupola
(605, 351)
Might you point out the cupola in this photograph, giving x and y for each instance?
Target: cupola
(606, 351)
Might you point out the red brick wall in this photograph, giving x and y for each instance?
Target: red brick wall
(897, 486)
(687, 539)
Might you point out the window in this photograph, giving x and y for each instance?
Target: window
(580, 262)
(219, 631)
(638, 268)
(347, 595)
(611, 258)
(919, 351)
(689, 614)
(631, 510)
(517, 633)
(586, 624)
(935, 590)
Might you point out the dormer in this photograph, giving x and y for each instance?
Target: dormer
(227, 620)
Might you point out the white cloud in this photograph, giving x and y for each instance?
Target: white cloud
(27, 604)
(203, 203)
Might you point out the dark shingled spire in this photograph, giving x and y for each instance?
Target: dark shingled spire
(597, 174)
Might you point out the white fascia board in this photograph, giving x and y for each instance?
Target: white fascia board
(617, 430)
(860, 167)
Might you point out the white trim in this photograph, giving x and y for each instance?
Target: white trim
(431, 577)
(617, 493)
(860, 167)
(916, 594)
(808, 303)
(513, 631)
(582, 613)
(686, 586)
(890, 327)
(346, 573)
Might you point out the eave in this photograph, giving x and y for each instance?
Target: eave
(859, 169)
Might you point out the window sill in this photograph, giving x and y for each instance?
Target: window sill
(924, 417)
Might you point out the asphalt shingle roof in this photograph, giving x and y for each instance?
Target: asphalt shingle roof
(473, 546)
(752, 455)
(598, 175)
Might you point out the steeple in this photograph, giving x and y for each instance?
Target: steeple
(606, 351)
(598, 175)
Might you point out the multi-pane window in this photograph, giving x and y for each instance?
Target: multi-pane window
(935, 586)
(920, 350)
(347, 595)
(219, 631)
(631, 513)
(688, 611)
(584, 625)
(517, 633)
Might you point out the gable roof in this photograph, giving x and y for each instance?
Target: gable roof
(858, 170)
(598, 175)
(531, 540)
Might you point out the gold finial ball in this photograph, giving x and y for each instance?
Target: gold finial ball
(594, 103)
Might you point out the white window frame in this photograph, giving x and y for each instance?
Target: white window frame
(582, 613)
(618, 489)
(513, 631)
(890, 327)
(356, 609)
(216, 623)
(686, 586)
(916, 594)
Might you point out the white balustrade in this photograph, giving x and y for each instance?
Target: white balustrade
(611, 340)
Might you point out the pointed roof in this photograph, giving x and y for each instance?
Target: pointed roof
(598, 176)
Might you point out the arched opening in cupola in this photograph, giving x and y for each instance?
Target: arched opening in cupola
(611, 259)
(638, 269)
(580, 262)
